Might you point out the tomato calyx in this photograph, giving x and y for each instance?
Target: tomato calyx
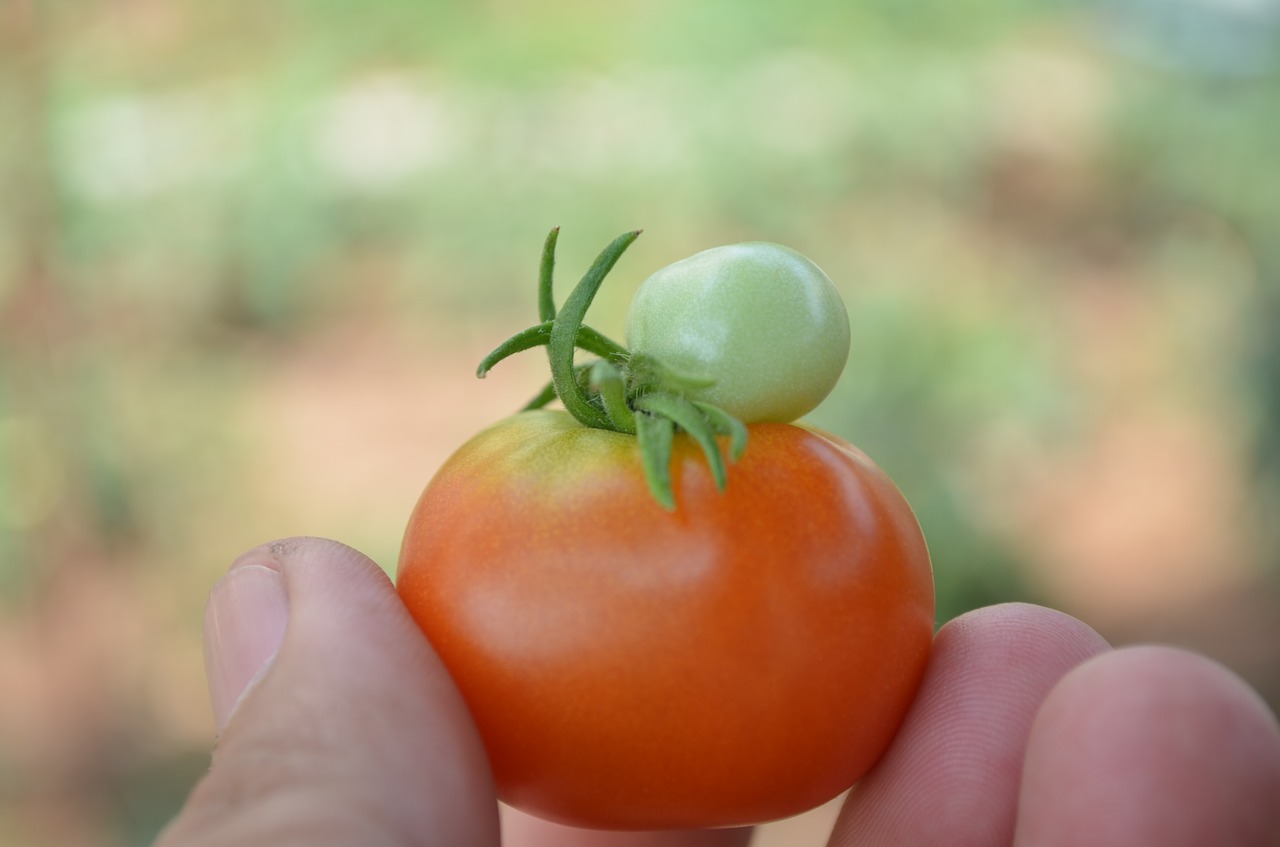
(619, 391)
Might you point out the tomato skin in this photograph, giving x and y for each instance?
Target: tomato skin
(760, 320)
(742, 659)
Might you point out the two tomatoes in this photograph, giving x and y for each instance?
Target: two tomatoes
(744, 657)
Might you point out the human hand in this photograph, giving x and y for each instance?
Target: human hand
(339, 726)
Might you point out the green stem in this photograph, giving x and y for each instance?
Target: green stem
(690, 419)
(655, 435)
(548, 392)
(620, 392)
(725, 424)
(542, 398)
(546, 297)
(607, 382)
(564, 332)
(588, 339)
(648, 371)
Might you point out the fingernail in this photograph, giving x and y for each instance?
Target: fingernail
(243, 628)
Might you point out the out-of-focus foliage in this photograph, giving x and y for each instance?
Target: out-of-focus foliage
(251, 252)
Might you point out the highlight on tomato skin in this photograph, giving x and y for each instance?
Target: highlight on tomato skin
(745, 658)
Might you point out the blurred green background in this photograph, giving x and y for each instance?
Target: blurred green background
(250, 253)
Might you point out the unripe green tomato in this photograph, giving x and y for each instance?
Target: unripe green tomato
(761, 320)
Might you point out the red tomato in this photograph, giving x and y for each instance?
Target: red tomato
(744, 658)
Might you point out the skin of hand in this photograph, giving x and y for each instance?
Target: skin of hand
(338, 725)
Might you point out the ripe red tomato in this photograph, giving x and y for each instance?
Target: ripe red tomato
(743, 658)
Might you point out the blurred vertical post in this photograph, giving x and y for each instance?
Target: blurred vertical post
(39, 331)
(31, 310)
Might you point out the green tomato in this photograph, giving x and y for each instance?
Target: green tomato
(761, 320)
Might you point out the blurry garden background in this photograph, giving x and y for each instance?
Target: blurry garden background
(250, 253)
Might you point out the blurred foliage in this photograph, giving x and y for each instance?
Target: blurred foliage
(189, 192)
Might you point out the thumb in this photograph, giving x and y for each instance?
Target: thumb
(338, 723)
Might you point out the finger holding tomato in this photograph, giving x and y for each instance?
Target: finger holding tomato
(338, 725)
(662, 611)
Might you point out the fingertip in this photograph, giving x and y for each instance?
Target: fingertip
(355, 721)
(1005, 630)
(1152, 745)
(299, 552)
(244, 625)
(951, 776)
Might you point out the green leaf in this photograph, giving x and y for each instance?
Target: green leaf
(725, 424)
(687, 416)
(648, 374)
(654, 435)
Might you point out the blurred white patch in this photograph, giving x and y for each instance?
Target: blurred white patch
(797, 103)
(592, 126)
(132, 147)
(1048, 104)
(380, 131)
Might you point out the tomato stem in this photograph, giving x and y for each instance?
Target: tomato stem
(723, 423)
(542, 398)
(546, 269)
(655, 436)
(635, 395)
(564, 333)
(540, 334)
(686, 416)
(607, 381)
